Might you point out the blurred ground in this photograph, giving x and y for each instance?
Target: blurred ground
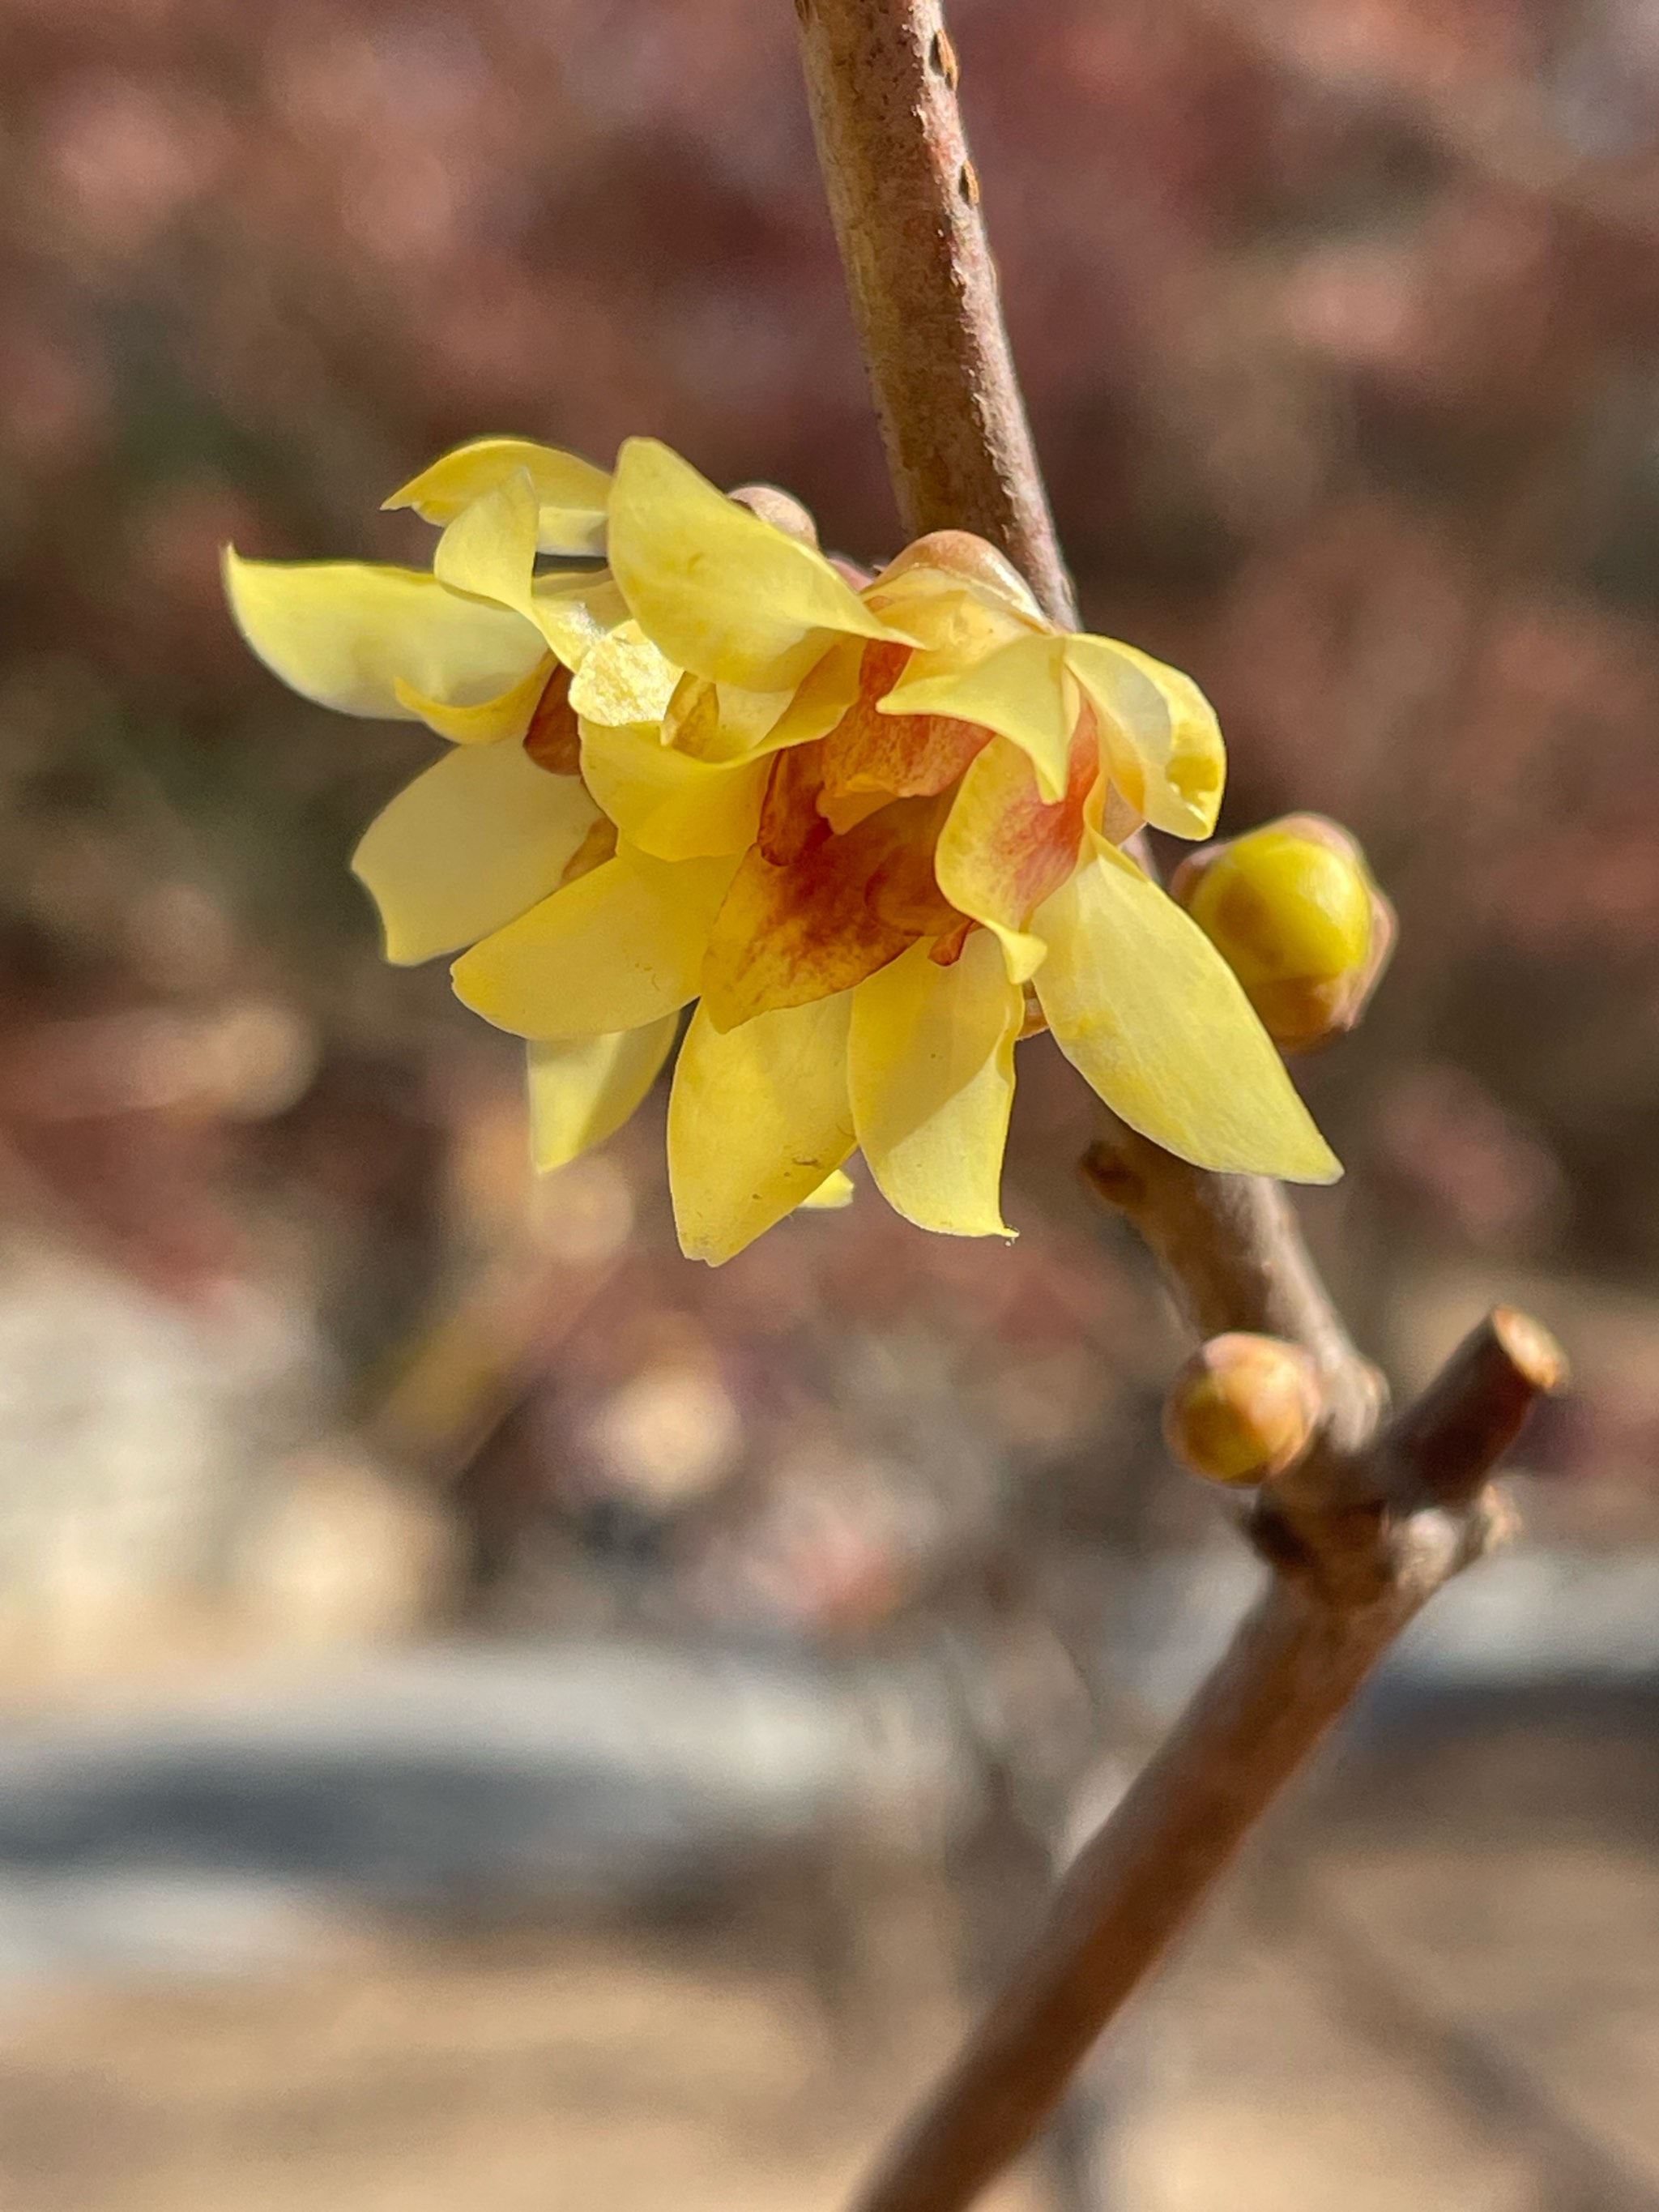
(524, 1927)
(1471, 2024)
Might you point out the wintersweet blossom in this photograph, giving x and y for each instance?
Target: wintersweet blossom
(873, 829)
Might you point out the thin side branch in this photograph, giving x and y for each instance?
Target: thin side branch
(1371, 1521)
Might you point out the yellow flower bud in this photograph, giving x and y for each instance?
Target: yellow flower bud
(1243, 1408)
(1293, 909)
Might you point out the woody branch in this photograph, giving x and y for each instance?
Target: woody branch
(1374, 1516)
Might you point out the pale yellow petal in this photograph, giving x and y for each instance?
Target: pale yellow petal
(571, 494)
(345, 633)
(582, 1093)
(490, 549)
(468, 846)
(1162, 740)
(721, 591)
(620, 947)
(835, 1192)
(932, 1076)
(624, 680)
(574, 609)
(757, 1119)
(667, 803)
(1143, 1005)
(492, 721)
(1019, 691)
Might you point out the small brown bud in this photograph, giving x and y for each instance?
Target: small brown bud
(780, 509)
(959, 553)
(1243, 1409)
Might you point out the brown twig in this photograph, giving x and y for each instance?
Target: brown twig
(1372, 1520)
(881, 76)
(1344, 1584)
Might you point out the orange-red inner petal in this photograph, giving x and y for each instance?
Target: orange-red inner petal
(905, 756)
(809, 912)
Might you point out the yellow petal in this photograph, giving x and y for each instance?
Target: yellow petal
(620, 947)
(582, 1093)
(571, 494)
(932, 1075)
(835, 1192)
(1019, 691)
(468, 846)
(344, 632)
(667, 803)
(624, 680)
(1163, 740)
(721, 591)
(757, 1119)
(574, 609)
(1143, 1005)
(492, 720)
(490, 549)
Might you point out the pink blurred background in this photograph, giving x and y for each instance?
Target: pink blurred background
(1340, 327)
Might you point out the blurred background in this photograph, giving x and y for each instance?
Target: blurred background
(493, 1714)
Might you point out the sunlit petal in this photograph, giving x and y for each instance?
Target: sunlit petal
(1143, 1005)
(620, 947)
(1163, 740)
(468, 846)
(1019, 691)
(757, 1119)
(624, 680)
(667, 803)
(932, 1077)
(574, 609)
(344, 632)
(721, 591)
(581, 1093)
(571, 494)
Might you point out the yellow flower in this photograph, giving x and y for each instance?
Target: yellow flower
(876, 832)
